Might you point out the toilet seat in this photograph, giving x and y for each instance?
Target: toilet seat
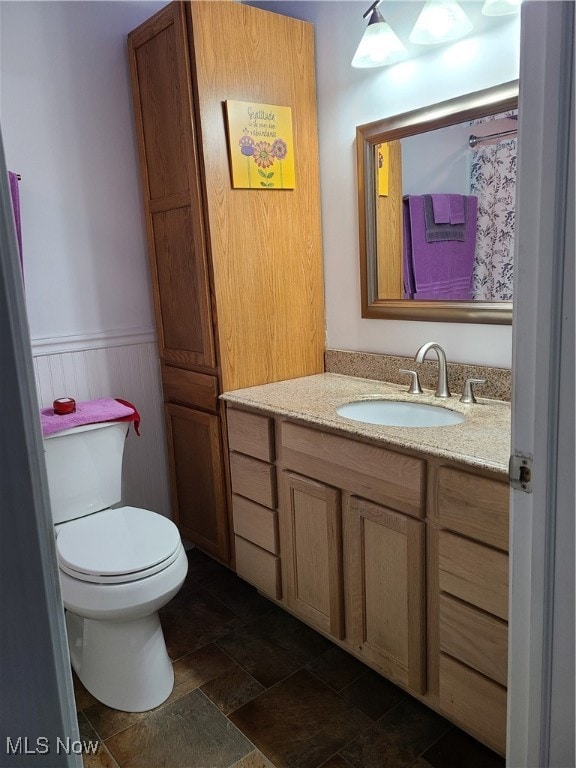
(117, 546)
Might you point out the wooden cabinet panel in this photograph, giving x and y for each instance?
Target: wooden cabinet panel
(250, 433)
(474, 638)
(474, 506)
(197, 474)
(258, 567)
(312, 552)
(164, 113)
(372, 472)
(253, 479)
(474, 573)
(190, 388)
(266, 246)
(474, 702)
(256, 523)
(385, 577)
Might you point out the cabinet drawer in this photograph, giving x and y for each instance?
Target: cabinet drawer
(474, 506)
(474, 573)
(258, 567)
(473, 701)
(255, 523)
(250, 433)
(253, 479)
(374, 473)
(475, 638)
(190, 388)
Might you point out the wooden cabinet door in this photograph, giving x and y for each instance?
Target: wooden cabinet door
(311, 550)
(164, 113)
(197, 474)
(384, 565)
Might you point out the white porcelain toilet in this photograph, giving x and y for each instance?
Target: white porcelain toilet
(118, 567)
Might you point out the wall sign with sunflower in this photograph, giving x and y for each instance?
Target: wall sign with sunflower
(260, 145)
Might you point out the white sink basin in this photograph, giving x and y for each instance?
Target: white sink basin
(396, 413)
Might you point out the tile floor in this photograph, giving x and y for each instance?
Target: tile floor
(255, 688)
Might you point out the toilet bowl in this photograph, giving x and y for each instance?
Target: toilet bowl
(118, 566)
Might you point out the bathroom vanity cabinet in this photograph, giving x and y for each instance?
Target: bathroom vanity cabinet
(236, 273)
(400, 558)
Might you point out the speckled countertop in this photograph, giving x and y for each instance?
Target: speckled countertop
(481, 440)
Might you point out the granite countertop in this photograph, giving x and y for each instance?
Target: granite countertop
(481, 440)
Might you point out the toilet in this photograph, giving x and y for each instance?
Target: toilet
(118, 566)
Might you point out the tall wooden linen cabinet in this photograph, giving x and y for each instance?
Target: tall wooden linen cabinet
(236, 273)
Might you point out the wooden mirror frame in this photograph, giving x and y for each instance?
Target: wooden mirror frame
(500, 98)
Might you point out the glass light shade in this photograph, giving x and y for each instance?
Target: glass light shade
(379, 46)
(439, 22)
(500, 7)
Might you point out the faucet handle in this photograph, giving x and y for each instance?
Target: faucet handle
(468, 394)
(415, 388)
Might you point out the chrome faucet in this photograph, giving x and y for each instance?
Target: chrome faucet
(442, 388)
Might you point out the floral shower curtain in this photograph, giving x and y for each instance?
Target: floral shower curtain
(493, 181)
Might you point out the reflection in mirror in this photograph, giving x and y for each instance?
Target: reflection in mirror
(437, 210)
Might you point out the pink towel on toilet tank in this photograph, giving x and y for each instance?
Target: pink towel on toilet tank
(89, 412)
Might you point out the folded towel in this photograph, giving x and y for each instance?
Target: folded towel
(436, 232)
(441, 270)
(457, 209)
(441, 205)
(449, 209)
(90, 412)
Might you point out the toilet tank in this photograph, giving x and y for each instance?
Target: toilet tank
(84, 467)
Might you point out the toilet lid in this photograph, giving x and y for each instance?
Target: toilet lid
(117, 545)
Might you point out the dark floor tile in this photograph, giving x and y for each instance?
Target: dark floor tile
(337, 761)
(456, 749)
(421, 763)
(193, 620)
(82, 697)
(201, 570)
(337, 668)
(190, 672)
(300, 722)
(239, 596)
(373, 694)
(254, 760)
(189, 733)
(101, 758)
(274, 646)
(398, 738)
(232, 689)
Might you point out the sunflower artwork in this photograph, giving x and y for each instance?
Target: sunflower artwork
(260, 145)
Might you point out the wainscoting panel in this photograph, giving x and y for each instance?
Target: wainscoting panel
(131, 372)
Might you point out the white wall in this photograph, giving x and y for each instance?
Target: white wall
(67, 127)
(349, 97)
(66, 118)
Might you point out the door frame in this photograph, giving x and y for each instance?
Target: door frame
(541, 641)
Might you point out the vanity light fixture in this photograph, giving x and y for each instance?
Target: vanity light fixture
(380, 45)
(500, 7)
(440, 21)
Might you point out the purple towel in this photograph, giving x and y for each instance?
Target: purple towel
(15, 194)
(408, 269)
(442, 270)
(87, 412)
(441, 205)
(449, 209)
(435, 232)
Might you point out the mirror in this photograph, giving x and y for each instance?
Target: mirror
(396, 190)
